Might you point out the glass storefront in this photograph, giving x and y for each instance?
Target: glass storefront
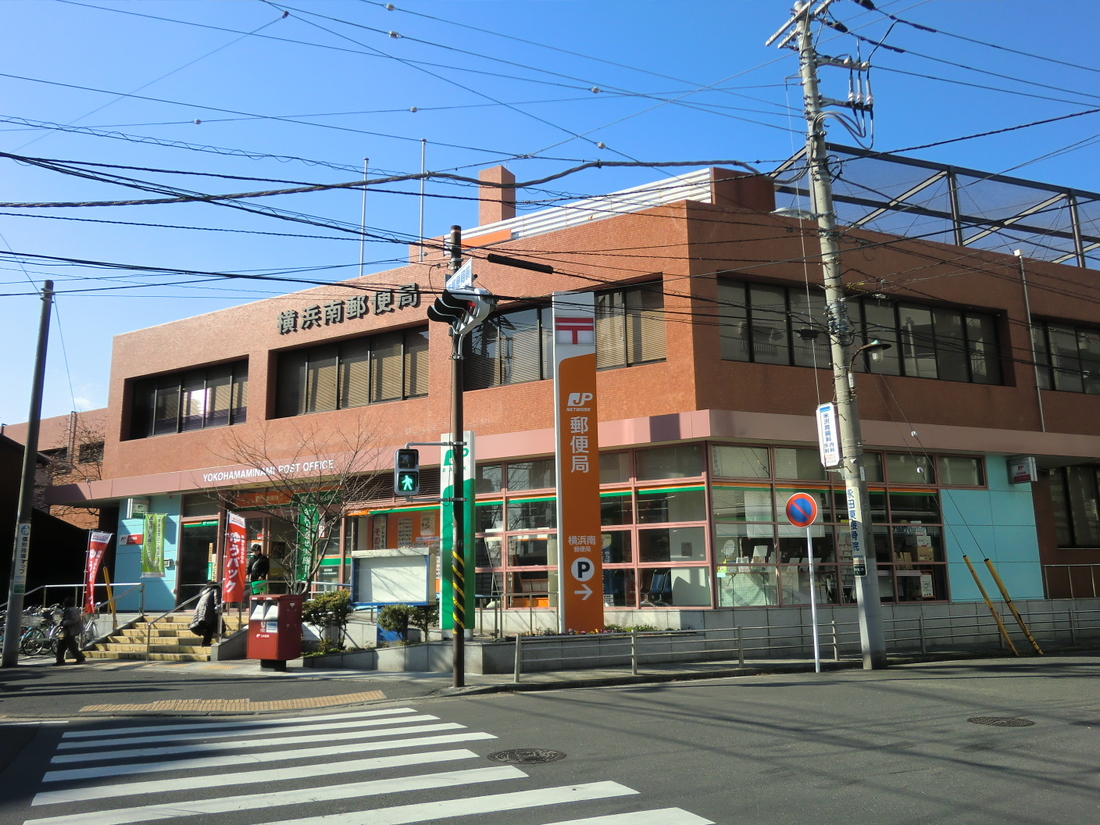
(697, 525)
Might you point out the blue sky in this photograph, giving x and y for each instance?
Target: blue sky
(194, 92)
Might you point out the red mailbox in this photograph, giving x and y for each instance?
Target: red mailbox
(275, 629)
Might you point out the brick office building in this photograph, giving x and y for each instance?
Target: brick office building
(712, 355)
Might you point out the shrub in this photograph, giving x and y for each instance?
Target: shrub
(395, 617)
(329, 611)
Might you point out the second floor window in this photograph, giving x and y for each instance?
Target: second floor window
(630, 326)
(193, 400)
(1067, 357)
(387, 367)
(772, 324)
(509, 348)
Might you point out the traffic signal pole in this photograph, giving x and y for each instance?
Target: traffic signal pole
(458, 561)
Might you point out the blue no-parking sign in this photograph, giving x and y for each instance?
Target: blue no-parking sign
(801, 510)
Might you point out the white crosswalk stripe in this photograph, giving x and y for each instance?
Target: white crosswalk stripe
(279, 775)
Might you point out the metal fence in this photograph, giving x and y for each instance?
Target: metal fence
(1051, 624)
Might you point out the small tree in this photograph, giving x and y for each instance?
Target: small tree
(310, 475)
(329, 611)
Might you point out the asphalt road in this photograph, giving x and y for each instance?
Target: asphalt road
(947, 742)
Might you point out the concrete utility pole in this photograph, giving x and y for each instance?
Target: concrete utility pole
(841, 335)
(13, 624)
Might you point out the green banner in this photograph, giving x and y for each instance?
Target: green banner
(152, 546)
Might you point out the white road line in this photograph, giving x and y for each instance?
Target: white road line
(188, 783)
(273, 799)
(447, 808)
(242, 744)
(236, 760)
(664, 816)
(216, 725)
(162, 739)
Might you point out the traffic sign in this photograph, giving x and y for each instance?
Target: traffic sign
(406, 472)
(801, 510)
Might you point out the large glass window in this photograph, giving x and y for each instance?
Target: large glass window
(388, 367)
(210, 397)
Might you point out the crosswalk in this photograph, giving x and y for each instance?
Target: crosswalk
(386, 766)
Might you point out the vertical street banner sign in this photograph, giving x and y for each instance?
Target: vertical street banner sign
(22, 558)
(580, 559)
(236, 559)
(97, 546)
(828, 436)
(152, 548)
(446, 529)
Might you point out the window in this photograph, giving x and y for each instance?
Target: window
(210, 397)
(761, 323)
(90, 453)
(785, 325)
(1075, 494)
(1067, 358)
(929, 342)
(388, 367)
(962, 471)
(630, 326)
(509, 348)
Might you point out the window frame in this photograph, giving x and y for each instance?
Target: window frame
(318, 378)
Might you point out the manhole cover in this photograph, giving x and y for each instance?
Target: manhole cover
(526, 756)
(1001, 721)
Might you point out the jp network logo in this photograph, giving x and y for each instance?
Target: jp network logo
(578, 400)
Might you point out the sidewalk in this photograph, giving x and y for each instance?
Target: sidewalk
(100, 688)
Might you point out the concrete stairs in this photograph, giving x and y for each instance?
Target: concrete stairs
(170, 640)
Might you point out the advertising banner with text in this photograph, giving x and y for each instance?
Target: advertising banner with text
(580, 560)
(236, 559)
(97, 546)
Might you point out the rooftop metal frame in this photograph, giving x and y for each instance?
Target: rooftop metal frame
(954, 205)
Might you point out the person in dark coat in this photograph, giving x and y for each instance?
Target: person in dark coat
(71, 625)
(205, 622)
(258, 569)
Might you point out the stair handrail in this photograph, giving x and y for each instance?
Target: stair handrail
(149, 627)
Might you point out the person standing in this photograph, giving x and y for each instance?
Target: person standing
(205, 622)
(71, 618)
(258, 569)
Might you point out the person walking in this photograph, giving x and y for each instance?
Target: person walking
(258, 568)
(71, 618)
(205, 622)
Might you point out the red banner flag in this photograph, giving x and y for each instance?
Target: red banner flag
(97, 546)
(236, 559)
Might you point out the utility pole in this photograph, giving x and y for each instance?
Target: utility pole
(13, 629)
(841, 334)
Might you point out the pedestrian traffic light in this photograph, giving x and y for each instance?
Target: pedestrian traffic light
(406, 472)
(463, 309)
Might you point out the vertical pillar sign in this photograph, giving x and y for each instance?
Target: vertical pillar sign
(580, 560)
(446, 531)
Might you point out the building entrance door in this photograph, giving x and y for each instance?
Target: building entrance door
(196, 565)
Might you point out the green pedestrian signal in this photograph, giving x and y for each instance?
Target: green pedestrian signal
(406, 472)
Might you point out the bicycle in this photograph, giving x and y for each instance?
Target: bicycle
(89, 630)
